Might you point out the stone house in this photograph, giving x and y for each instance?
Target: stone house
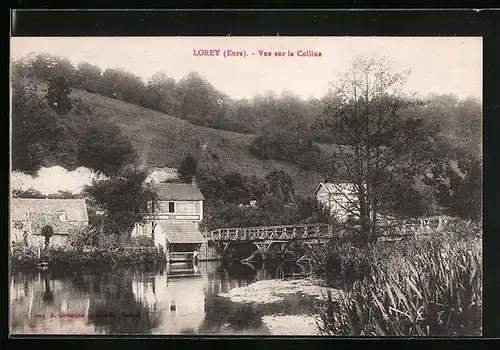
(29, 217)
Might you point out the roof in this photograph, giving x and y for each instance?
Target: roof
(333, 188)
(176, 191)
(39, 220)
(181, 232)
(75, 209)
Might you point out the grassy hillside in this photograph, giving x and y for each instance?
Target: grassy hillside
(164, 140)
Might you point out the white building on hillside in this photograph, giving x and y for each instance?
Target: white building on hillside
(340, 198)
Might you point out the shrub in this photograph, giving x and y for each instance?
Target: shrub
(79, 237)
(23, 255)
(61, 257)
(342, 261)
(286, 146)
(434, 291)
(142, 241)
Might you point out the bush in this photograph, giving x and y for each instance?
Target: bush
(23, 255)
(61, 257)
(290, 147)
(142, 241)
(342, 262)
(431, 288)
(80, 237)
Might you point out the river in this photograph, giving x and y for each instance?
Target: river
(179, 299)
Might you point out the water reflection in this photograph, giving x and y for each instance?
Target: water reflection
(178, 299)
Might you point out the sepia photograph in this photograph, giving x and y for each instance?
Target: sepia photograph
(246, 186)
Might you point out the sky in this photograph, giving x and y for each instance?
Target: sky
(440, 65)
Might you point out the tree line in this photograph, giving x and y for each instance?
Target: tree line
(405, 156)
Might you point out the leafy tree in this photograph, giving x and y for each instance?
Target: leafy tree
(241, 117)
(47, 233)
(45, 67)
(161, 93)
(123, 200)
(79, 237)
(188, 167)
(104, 148)
(142, 241)
(460, 121)
(255, 187)
(123, 85)
(461, 192)
(88, 77)
(280, 185)
(58, 95)
(295, 148)
(211, 184)
(467, 198)
(235, 188)
(198, 99)
(310, 211)
(373, 140)
(40, 137)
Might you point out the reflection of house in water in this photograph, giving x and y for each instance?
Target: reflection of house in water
(180, 299)
(39, 304)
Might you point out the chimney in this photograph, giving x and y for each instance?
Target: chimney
(193, 181)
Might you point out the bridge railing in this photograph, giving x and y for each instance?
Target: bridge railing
(311, 231)
(286, 232)
(414, 226)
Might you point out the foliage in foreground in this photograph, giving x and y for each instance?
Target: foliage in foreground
(436, 290)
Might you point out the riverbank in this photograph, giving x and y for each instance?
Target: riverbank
(62, 257)
(291, 324)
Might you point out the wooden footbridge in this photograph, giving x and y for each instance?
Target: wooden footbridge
(265, 237)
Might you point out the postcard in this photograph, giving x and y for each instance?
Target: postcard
(263, 186)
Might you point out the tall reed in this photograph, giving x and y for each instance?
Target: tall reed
(422, 287)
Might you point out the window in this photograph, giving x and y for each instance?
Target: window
(190, 208)
(196, 207)
(171, 207)
(181, 208)
(62, 216)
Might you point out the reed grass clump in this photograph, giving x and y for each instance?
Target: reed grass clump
(429, 286)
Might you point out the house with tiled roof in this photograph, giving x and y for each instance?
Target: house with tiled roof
(173, 219)
(29, 217)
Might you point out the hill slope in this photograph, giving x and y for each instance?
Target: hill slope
(164, 140)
